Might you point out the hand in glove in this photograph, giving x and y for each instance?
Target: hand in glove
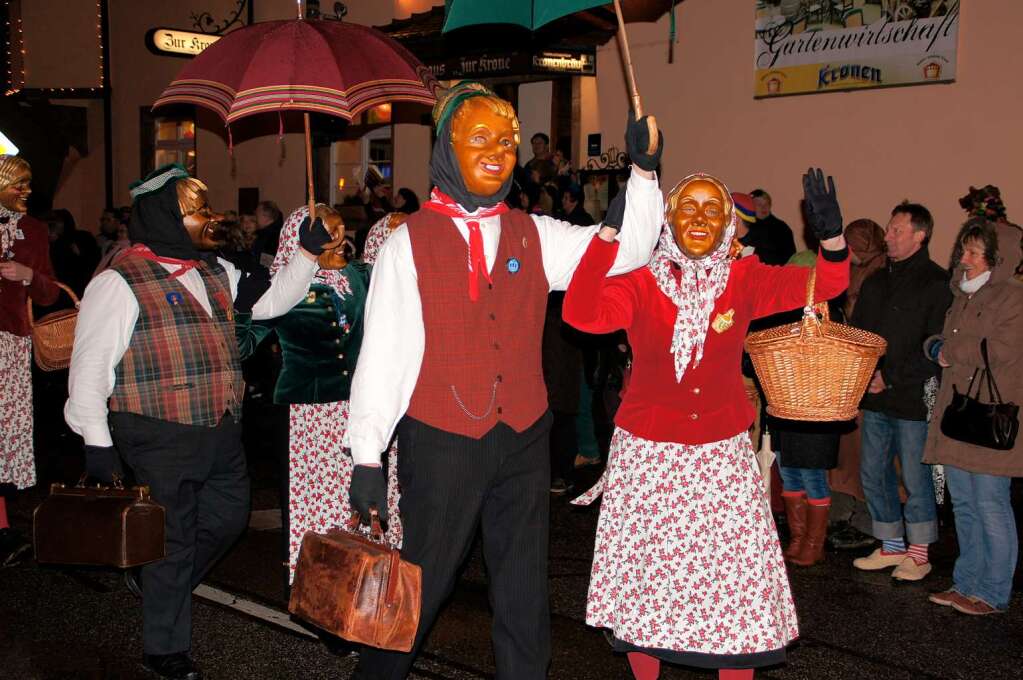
(637, 141)
(616, 211)
(250, 288)
(822, 209)
(102, 463)
(368, 489)
(313, 237)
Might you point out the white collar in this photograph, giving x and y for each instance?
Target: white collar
(971, 286)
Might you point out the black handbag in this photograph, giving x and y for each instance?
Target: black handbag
(967, 419)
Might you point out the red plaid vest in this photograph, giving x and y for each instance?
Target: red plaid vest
(481, 363)
(181, 365)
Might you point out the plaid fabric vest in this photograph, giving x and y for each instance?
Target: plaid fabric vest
(181, 364)
(481, 363)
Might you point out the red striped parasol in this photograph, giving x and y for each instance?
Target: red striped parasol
(320, 66)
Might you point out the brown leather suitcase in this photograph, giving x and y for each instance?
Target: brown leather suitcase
(357, 589)
(98, 525)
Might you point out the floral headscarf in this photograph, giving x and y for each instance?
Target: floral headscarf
(289, 245)
(378, 233)
(696, 290)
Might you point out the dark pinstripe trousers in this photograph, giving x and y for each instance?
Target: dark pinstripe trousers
(451, 485)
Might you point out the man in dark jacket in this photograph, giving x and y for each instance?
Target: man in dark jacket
(904, 302)
(770, 238)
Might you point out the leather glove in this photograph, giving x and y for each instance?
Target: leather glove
(250, 288)
(637, 140)
(822, 208)
(313, 236)
(102, 463)
(368, 489)
(616, 211)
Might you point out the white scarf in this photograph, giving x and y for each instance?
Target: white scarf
(8, 230)
(701, 283)
(971, 286)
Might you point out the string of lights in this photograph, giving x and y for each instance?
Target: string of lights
(16, 48)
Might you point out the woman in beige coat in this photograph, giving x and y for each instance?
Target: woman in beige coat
(987, 303)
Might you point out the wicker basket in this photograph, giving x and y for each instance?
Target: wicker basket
(814, 369)
(53, 336)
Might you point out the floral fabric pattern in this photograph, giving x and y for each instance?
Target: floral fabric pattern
(17, 460)
(321, 472)
(687, 555)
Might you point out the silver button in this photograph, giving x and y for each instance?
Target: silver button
(696, 390)
(955, 330)
(693, 416)
(344, 372)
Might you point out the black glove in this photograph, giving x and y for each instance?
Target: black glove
(368, 489)
(616, 211)
(822, 209)
(637, 141)
(102, 463)
(313, 237)
(250, 288)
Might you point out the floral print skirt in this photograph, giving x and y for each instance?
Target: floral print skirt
(687, 559)
(17, 460)
(321, 472)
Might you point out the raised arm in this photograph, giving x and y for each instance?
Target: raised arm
(594, 303)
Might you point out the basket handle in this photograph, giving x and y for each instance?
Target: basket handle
(813, 314)
(71, 294)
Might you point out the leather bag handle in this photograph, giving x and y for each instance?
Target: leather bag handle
(992, 387)
(376, 531)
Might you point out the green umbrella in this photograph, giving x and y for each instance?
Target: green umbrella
(533, 14)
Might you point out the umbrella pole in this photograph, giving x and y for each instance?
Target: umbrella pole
(309, 167)
(630, 79)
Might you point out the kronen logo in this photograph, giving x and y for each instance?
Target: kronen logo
(181, 42)
(831, 76)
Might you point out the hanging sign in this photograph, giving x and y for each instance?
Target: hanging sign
(171, 41)
(823, 46)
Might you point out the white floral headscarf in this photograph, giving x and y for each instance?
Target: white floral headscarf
(701, 283)
(378, 233)
(289, 246)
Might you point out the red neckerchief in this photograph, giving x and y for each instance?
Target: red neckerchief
(445, 205)
(145, 253)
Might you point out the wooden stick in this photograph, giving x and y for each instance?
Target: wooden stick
(630, 79)
(309, 167)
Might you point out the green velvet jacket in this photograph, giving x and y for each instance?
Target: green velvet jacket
(320, 339)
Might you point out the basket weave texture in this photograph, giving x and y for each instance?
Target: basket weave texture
(814, 369)
(53, 336)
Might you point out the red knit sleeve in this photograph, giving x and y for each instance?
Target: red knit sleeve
(779, 289)
(595, 303)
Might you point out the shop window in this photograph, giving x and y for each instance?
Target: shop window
(167, 139)
(379, 150)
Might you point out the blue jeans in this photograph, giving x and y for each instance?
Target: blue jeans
(814, 482)
(986, 530)
(882, 438)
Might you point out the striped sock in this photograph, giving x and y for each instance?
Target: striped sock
(918, 551)
(896, 545)
(826, 501)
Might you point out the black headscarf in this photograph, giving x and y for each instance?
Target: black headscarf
(156, 222)
(444, 172)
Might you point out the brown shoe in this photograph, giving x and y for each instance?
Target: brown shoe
(909, 570)
(974, 606)
(879, 560)
(795, 515)
(946, 598)
(813, 541)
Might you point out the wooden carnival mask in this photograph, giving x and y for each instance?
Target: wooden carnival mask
(699, 212)
(335, 254)
(15, 183)
(201, 223)
(485, 139)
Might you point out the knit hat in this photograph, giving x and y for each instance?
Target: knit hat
(744, 207)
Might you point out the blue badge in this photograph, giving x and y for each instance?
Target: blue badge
(174, 298)
(513, 265)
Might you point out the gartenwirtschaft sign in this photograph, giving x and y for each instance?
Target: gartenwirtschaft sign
(805, 46)
(178, 43)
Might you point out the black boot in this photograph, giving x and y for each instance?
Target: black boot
(13, 547)
(178, 666)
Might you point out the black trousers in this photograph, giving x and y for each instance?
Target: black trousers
(198, 474)
(564, 446)
(450, 485)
